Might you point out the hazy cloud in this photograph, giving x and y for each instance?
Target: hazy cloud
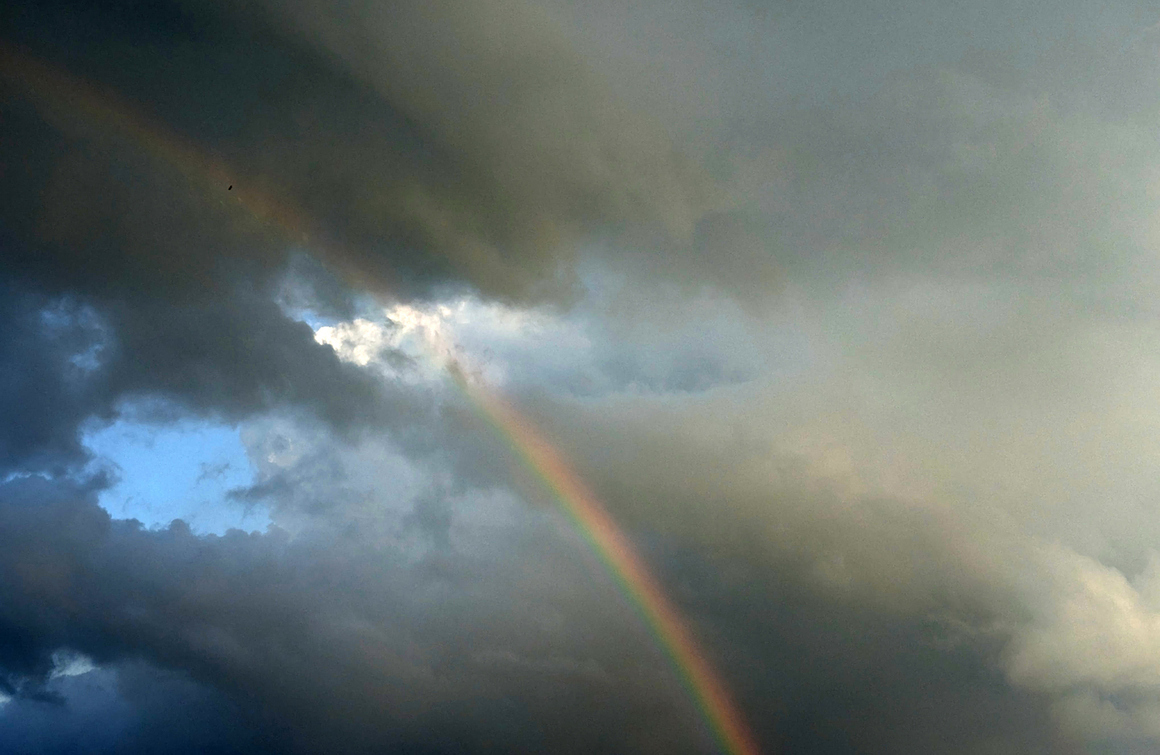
(847, 315)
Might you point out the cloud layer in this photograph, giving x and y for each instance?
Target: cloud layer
(847, 315)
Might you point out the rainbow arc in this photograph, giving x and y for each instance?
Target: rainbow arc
(57, 88)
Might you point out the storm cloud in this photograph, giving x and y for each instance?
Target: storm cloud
(846, 315)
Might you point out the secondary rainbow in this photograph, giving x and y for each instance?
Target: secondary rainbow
(64, 99)
(580, 505)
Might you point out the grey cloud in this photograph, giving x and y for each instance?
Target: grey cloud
(68, 361)
(132, 708)
(980, 157)
(906, 502)
(45, 394)
(858, 503)
(415, 145)
(501, 86)
(315, 121)
(502, 633)
(344, 638)
(833, 640)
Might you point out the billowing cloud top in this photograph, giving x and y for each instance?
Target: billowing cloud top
(845, 315)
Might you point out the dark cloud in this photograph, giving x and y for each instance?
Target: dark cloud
(71, 358)
(133, 708)
(875, 399)
(338, 640)
(46, 391)
(128, 116)
(416, 144)
(317, 640)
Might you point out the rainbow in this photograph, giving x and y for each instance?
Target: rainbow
(621, 560)
(610, 544)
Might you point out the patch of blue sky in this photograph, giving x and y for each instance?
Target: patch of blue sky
(182, 470)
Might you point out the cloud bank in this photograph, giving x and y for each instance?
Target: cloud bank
(846, 315)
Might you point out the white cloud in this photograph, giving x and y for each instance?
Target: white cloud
(70, 663)
(1094, 639)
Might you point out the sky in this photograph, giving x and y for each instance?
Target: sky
(523, 376)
